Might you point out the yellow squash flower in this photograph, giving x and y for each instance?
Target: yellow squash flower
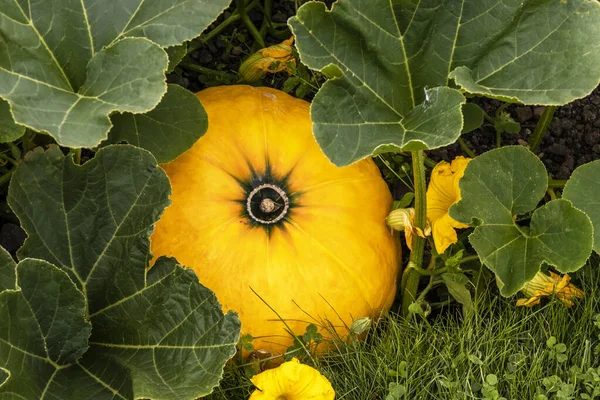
(442, 193)
(543, 285)
(291, 381)
(403, 219)
(270, 59)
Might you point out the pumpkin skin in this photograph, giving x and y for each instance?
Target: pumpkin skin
(330, 256)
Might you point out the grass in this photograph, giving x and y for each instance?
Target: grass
(501, 351)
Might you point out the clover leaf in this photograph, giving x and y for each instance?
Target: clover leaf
(500, 186)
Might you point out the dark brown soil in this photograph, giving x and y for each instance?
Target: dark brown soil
(572, 139)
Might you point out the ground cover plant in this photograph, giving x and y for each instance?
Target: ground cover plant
(95, 95)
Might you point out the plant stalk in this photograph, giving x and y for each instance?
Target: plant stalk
(541, 127)
(76, 156)
(235, 16)
(410, 277)
(6, 177)
(557, 183)
(469, 258)
(466, 148)
(241, 9)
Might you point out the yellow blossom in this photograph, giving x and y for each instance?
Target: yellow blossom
(543, 285)
(291, 381)
(270, 59)
(442, 193)
(403, 219)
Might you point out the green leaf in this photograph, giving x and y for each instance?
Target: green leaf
(491, 379)
(538, 52)
(583, 190)
(474, 359)
(457, 286)
(44, 328)
(176, 54)
(85, 59)
(171, 128)
(9, 131)
(498, 186)
(391, 57)
(505, 123)
(166, 23)
(8, 278)
(158, 334)
(395, 391)
(127, 76)
(404, 201)
(472, 116)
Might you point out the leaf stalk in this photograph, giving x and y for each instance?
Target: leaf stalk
(410, 276)
(542, 127)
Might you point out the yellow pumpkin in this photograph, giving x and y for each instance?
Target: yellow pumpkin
(256, 205)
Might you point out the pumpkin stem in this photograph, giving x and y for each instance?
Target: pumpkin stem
(410, 277)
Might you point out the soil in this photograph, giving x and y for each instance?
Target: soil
(572, 139)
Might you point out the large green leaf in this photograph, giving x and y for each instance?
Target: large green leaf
(160, 334)
(43, 328)
(543, 52)
(168, 130)
(386, 56)
(167, 341)
(9, 131)
(65, 65)
(498, 186)
(176, 54)
(583, 190)
(8, 278)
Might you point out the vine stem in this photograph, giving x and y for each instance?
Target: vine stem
(235, 16)
(557, 183)
(6, 177)
(410, 277)
(542, 127)
(466, 148)
(241, 9)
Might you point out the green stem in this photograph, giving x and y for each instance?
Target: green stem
(241, 9)
(430, 285)
(488, 118)
(466, 148)
(197, 43)
(498, 139)
(430, 272)
(198, 68)
(469, 258)
(541, 127)
(266, 24)
(429, 163)
(235, 16)
(76, 156)
(27, 141)
(9, 159)
(557, 183)
(410, 276)
(6, 177)
(281, 34)
(552, 194)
